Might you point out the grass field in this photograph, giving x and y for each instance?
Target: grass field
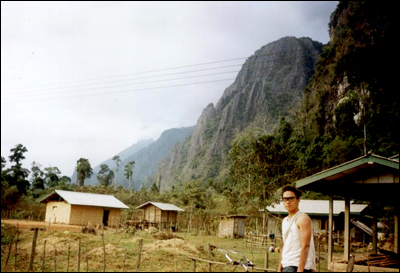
(121, 248)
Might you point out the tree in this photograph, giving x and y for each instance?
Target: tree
(37, 176)
(52, 176)
(117, 160)
(105, 175)
(129, 172)
(84, 170)
(17, 176)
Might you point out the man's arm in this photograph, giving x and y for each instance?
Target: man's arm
(304, 224)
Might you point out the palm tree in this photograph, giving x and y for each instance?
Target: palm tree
(84, 170)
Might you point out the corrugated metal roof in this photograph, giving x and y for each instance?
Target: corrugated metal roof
(89, 199)
(162, 206)
(318, 207)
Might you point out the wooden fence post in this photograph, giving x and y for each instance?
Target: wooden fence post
(55, 258)
(194, 265)
(266, 259)
(79, 255)
(139, 254)
(44, 255)
(68, 257)
(104, 252)
(9, 249)
(16, 249)
(35, 234)
(87, 259)
(319, 253)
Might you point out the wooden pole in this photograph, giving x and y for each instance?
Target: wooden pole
(104, 252)
(319, 253)
(16, 249)
(209, 267)
(139, 254)
(374, 230)
(266, 259)
(10, 247)
(68, 257)
(396, 233)
(330, 230)
(194, 265)
(44, 255)
(124, 260)
(347, 229)
(87, 260)
(55, 259)
(79, 255)
(35, 234)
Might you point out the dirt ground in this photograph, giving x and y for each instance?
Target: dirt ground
(28, 224)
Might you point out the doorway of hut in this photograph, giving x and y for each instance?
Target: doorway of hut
(105, 217)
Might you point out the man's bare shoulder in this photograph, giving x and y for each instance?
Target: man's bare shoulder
(303, 220)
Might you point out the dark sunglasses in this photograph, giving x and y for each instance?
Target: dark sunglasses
(285, 199)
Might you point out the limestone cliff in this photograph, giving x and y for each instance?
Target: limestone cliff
(269, 85)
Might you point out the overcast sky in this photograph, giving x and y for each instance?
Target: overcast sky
(89, 79)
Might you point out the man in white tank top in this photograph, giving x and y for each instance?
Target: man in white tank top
(298, 251)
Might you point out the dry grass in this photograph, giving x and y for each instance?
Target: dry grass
(169, 255)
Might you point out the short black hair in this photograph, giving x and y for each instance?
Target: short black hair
(292, 189)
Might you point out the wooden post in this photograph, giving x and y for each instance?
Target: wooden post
(139, 254)
(209, 267)
(16, 249)
(44, 255)
(396, 234)
(35, 234)
(79, 256)
(319, 253)
(266, 259)
(347, 229)
(104, 252)
(194, 265)
(330, 230)
(374, 230)
(55, 259)
(87, 260)
(68, 257)
(124, 259)
(10, 247)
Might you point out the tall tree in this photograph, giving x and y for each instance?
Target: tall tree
(129, 172)
(105, 175)
(84, 170)
(52, 176)
(37, 180)
(18, 176)
(117, 161)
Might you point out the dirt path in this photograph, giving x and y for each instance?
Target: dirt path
(28, 224)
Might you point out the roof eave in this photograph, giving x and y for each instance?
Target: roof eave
(364, 160)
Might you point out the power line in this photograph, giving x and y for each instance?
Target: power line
(149, 77)
(158, 70)
(136, 90)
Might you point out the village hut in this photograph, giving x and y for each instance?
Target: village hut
(80, 208)
(231, 226)
(160, 214)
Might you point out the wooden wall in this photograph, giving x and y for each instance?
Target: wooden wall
(154, 214)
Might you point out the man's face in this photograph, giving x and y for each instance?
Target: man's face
(290, 201)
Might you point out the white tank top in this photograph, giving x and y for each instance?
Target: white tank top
(292, 247)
